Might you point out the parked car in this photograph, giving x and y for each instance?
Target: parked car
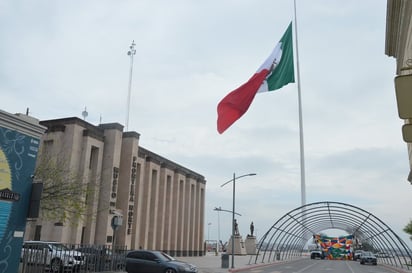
(367, 257)
(96, 258)
(101, 258)
(317, 254)
(357, 254)
(148, 261)
(53, 255)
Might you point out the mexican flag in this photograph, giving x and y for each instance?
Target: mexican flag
(275, 72)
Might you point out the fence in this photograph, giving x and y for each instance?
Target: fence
(39, 257)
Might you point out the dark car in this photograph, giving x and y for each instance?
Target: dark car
(367, 257)
(148, 261)
(316, 254)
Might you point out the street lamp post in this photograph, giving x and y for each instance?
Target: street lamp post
(218, 231)
(208, 231)
(233, 211)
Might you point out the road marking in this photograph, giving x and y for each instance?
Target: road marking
(305, 268)
(261, 270)
(350, 268)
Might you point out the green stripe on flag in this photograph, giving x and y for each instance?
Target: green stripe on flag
(284, 72)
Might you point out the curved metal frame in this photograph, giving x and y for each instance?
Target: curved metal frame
(288, 236)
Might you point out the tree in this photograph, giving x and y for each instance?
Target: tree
(65, 193)
(408, 228)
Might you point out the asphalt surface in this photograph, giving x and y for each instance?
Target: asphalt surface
(212, 263)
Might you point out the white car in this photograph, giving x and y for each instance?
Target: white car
(53, 255)
(314, 254)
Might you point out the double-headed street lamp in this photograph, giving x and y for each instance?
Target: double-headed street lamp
(233, 211)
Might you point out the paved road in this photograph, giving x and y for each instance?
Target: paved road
(245, 264)
(320, 266)
(212, 264)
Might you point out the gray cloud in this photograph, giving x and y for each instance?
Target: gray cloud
(60, 56)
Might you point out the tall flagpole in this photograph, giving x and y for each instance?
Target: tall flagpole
(302, 154)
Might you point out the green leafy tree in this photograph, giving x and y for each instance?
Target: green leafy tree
(408, 228)
(65, 193)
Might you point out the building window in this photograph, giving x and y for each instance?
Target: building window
(37, 233)
(94, 152)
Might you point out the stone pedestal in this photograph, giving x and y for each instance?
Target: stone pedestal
(239, 246)
(250, 245)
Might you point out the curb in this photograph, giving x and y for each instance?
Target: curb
(395, 269)
(249, 268)
(259, 266)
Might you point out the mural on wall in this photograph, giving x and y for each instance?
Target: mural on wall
(18, 154)
(5, 185)
(335, 248)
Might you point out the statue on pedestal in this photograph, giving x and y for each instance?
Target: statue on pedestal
(252, 228)
(250, 242)
(236, 227)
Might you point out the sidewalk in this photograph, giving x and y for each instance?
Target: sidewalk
(210, 263)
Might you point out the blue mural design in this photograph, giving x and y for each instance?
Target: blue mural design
(18, 154)
(5, 183)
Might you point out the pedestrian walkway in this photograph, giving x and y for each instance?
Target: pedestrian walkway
(211, 263)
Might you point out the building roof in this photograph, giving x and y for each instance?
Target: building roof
(98, 133)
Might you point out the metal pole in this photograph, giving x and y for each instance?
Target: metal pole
(302, 154)
(233, 211)
(233, 222)
(218, 231)
(114, 237)
(208, 232)
(131, 53)
(230, 211)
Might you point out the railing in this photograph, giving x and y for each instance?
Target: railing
(39, 257)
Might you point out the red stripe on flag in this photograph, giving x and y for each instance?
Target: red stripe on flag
(237, 102)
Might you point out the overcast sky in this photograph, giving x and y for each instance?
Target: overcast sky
(58, 57)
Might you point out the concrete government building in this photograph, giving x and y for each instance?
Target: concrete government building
(160, 202)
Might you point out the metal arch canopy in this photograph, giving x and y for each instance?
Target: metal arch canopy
(288, 236)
